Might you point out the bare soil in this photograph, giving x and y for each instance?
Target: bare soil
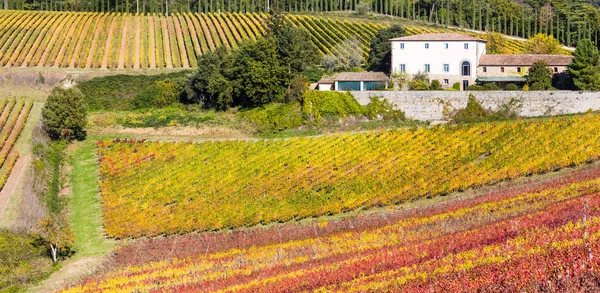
(174, 132)
(70, 272)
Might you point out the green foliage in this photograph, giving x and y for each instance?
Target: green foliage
(383, 109)
(259, 77)
(491, 87)
(380, 56)
(64, 114)
(456, 86)
(124, 92)
(210, 85)
(540, 76)
(295, 49)
(319, 104)
(511, 87)
(474, 112)
(171, 116)
(475, 87)
(436, 85)
(275, 116)
(585, 67)
(314, 73)
(23, 260)
(168, 93)
(420, 82)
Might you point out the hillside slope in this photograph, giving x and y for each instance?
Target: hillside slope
(120, 41)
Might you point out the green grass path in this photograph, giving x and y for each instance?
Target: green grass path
(85, 204)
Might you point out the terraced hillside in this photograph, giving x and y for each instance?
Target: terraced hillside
(116, 40)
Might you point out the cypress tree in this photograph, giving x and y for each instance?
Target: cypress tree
(585, 66)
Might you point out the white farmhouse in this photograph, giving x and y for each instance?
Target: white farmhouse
(447, 57)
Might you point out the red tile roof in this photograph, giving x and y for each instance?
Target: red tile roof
(439, 37)
(523, 59)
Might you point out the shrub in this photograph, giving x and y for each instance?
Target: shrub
(383, 109)
(511, 87)
(436, 85)
(314, 73)
(362, 8)
(474, 112)
(64, 114)
(275, 117)
(456, 86)
(538, 86)
(418, 85)
(22, 260)
(490, 87)
(526, 87)
(317, 104)
(123, 92)
(475, 87)
(168, 93)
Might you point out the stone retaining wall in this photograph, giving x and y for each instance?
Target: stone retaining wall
(429, 105)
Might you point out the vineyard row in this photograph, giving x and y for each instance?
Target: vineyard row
(115, 40)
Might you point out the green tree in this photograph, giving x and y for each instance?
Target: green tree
(584, 68)
(540, 76)
(259, 78)
(209, 85)
(542, 44)
(64, 115)
(294, 46)
(380, 57)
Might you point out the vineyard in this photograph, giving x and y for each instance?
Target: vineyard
(152, 188)
(121, 40)
(537, 236)
(14, 114)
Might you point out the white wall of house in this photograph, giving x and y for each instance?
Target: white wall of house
(325, 86)
(414, 56)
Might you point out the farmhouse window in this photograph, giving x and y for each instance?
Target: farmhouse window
(518, 69)
(555, 69)
(446, 81)
(466, 46)
(501, 69)
(484, 69)
(402, 67)
(465, 68)
(445, 45)
(401, 45)
(426, 45)
(446, 67)
(427, 68)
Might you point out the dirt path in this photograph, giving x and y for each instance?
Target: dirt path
(123, 47)
(70, 271)
(80, 40)
(108, 44)
(167, 43)
(90, 57)
(138, 41)
(152, 40)
(16, 175)
(182, 49)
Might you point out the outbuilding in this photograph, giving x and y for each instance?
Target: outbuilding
(355, 81)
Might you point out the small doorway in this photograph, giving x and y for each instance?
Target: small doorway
(465, 85)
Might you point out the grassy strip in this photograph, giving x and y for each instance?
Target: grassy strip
(85, 204)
